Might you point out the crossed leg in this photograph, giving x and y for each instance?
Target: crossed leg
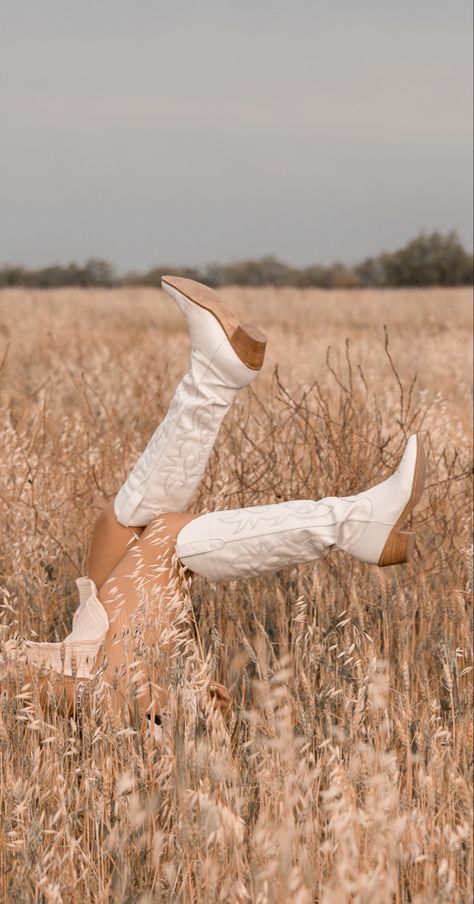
(139, 587)
(141, 594)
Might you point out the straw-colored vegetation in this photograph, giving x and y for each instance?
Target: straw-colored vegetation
(343, 774)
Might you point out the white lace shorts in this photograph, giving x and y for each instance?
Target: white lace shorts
(77, 653)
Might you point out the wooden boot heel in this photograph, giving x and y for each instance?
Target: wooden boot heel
(249, 344)
(398, 548)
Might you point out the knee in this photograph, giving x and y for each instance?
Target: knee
(157, 543)
(167, 525)
(107, 519)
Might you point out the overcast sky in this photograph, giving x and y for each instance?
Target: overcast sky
(176, 132)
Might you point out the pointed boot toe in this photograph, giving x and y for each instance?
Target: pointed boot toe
(383, 542)
(216, 331)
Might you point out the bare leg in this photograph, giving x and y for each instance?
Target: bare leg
(129, 565)
(142, 592)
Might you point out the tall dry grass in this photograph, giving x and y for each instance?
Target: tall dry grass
(344, 774)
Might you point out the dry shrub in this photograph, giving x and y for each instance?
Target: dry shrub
(344, 773)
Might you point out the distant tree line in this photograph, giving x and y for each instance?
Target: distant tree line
(430, 259)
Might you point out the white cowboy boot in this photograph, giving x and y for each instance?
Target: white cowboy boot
(245, 542)
(225, 357)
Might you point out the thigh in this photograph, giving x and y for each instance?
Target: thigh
(143, 592)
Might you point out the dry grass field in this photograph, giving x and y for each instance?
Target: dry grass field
(343, 774)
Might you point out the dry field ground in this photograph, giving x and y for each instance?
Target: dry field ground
(344, 772)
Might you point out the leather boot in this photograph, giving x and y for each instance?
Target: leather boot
(242, 543)
(226, 356)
